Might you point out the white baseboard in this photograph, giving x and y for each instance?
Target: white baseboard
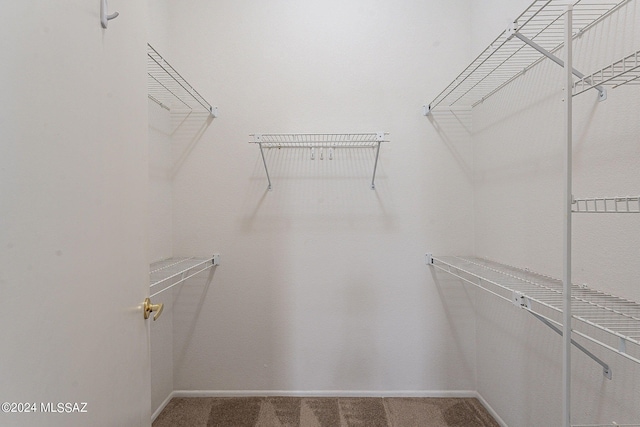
(488, 407)
(162, 405)
(326, 393)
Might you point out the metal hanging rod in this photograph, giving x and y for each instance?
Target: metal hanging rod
(320, 141)
(174, 271)
(168, 89)
(623, 204)
(506, 59)
(591, 309)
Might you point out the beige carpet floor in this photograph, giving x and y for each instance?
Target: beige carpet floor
(323, 412)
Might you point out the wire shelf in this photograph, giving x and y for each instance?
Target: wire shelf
(321, 141)
(593, 310)
(324, 140)
(622, 204)
(171, 272)
(168, 89)
(621, 72)
(507, 58)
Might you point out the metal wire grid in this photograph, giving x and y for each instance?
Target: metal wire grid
(507, 58)
(168, 88)
(321, 141)
(607, 313)
(623, 71)
(325, 140)
(173, 271)
(623, 204)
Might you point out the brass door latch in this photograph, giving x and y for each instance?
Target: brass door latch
(148, 308)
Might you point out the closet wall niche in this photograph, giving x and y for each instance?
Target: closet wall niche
(178, 116)
(324, 286)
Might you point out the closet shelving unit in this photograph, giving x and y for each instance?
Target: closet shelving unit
(618, 319)
(539, 31)
(168, 89)
(171, 272)
(546, 30)
(320, 145)
(621, 72)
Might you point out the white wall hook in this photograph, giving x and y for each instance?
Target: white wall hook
(104, 16)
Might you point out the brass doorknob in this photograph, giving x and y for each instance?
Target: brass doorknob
(148, 308)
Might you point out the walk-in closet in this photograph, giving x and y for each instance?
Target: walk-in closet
(320, 213)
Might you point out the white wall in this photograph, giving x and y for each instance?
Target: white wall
(171, 136)
(159, 26)
(160, 247)
(518, 220)
(160, 213)
(161, 162)
(160, 184)
(322, 284)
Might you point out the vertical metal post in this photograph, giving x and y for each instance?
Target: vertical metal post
(375, 166)
(265, 166)
(566, 297)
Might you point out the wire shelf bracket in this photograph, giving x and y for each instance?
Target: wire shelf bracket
(318, 144)
(513, 32)
(171, 272)
(606, 370)
(540, 29)
(167, 88)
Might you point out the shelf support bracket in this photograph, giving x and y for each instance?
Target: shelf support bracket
(380, 138)
(512, 31)
(429, 258)
(427, 109)
(258, 139)
(606, 370)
